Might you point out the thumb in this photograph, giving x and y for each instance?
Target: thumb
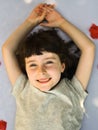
(46, 24)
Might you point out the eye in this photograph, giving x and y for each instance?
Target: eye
(32, 65)
(49, 62)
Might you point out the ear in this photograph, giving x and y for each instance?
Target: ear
(63, 67)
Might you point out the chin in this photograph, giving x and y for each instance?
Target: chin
(44, 89)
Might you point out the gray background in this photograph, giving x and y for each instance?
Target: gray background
(82, 13)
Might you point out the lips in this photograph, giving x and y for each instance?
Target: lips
(45, 80)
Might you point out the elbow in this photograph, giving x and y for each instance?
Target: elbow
(91, 50)
(4, 48)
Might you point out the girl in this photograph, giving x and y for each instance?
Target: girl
(45, 99)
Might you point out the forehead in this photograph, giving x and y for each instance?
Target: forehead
(43, 56)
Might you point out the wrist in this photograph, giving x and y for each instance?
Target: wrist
(61, 23)
(31, 22)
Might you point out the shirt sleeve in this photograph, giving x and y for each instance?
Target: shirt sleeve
(19, 85)
(78, 87)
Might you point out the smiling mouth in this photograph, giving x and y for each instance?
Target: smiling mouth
(44, 80)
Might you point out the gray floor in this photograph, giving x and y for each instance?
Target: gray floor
(82, 13)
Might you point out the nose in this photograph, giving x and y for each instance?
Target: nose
(42, 69)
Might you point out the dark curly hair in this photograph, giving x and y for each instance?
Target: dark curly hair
(50, 41)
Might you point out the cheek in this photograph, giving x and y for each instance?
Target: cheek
(55, 71)
(30, 74)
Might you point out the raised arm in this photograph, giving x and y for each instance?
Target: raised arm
(11, 44)
(87, 47)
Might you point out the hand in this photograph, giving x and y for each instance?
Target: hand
(38, 14)
(53, 18)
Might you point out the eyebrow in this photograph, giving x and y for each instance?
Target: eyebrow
(50, 58)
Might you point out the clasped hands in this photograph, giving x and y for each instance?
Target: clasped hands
(46, 12)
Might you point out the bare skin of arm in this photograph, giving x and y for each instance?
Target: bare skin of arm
(11, 44)
(87, 47)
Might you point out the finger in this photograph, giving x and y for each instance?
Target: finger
(42, 16)
(39, 7)
(39, 11)
(50, 5)
(45, 24)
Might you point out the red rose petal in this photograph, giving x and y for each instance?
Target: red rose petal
(3, 125)
(93, 31)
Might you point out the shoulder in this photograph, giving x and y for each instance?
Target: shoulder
(74, 86)
(19, 85)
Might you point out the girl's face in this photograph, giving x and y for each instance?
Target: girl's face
(44, 71)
